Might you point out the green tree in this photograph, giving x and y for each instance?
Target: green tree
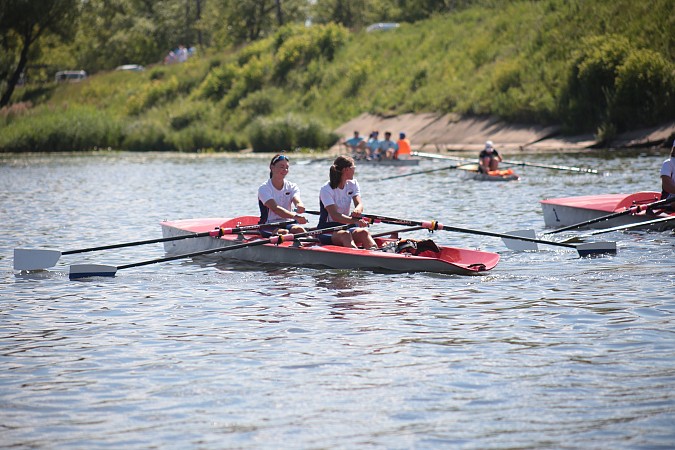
(22, 24)
(240, 21)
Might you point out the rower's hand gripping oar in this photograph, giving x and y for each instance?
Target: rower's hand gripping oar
(629, 210)
(588, 249)
(101, 270)
(38, 259)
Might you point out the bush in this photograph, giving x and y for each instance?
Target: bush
(645, 90)
(613, 87)
(287, 134)
(152, 95)
(217, 83)
(298, 46)
(76, 128)
(590, 85)
(183, 116)
(200, 138)
(260, 103)
(146, 136)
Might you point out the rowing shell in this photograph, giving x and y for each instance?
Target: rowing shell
(450, 260)
(493, 175)
(565, 211)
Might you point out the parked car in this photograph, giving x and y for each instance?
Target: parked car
(70, 75)
(382, 26)
(131, 67)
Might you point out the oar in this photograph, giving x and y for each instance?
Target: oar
(38, 259)
(513, 163)
(621, 227)
(550, 166)
(630, 210)
(101, 270)
(593, 248)
(417, 173)
(444, 157)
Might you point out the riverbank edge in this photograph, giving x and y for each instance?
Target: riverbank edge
(449, 132)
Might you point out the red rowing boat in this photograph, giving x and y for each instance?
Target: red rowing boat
(449, 260)
(565, 211)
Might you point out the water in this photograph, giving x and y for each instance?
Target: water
(545, 351)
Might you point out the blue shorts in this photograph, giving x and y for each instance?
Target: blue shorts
(327, 238)
(266, 231)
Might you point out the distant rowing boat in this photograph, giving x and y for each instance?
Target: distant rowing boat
(493, 175)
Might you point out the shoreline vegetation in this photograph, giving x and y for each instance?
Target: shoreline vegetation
(551, 75)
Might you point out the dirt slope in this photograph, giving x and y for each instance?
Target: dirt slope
(450, 132)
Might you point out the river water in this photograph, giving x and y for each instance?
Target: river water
(545, 351)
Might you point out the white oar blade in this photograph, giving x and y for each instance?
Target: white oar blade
(519, 245)
(596, 248)
(35, 259)
(91, 270)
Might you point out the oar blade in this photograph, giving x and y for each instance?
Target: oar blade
(520, 245)
(596, 248)
(35, 259)
(78, 271)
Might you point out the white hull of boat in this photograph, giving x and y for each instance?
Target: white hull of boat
(562, 212)
(450, 261)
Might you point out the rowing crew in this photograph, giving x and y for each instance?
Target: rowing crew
(375, 149)
(278, 198)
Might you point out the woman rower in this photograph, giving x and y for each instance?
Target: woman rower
(668, 177)
(489, 158)
(335, 198)
(276, 198)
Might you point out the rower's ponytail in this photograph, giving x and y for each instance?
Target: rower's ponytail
(335, 174)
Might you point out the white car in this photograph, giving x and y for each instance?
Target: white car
(131, 68)
(382, 26)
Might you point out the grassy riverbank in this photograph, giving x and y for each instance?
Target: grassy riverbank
(600, 67)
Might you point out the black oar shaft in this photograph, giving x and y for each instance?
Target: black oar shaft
(200, 253)
(274, 239)
(216, 232)
(629, 226)
(505, 236)
(417, 173)
(131, 244)
(438, 226)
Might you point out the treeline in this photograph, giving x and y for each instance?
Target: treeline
(264, 79)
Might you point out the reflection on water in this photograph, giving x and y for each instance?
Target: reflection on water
(548, 350)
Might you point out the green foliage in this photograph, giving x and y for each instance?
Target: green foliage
(146, 135)
(645, 90)
(217, 82)
(260, 103)
(157, 73)
(153, 94)
(184, 116)
(297, 47)
(613, 86)
(287, 134)
(549, 61)
(75, 128)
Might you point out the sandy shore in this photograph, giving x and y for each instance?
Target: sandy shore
(449, 132)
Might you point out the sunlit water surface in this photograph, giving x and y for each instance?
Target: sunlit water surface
(545, 351)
